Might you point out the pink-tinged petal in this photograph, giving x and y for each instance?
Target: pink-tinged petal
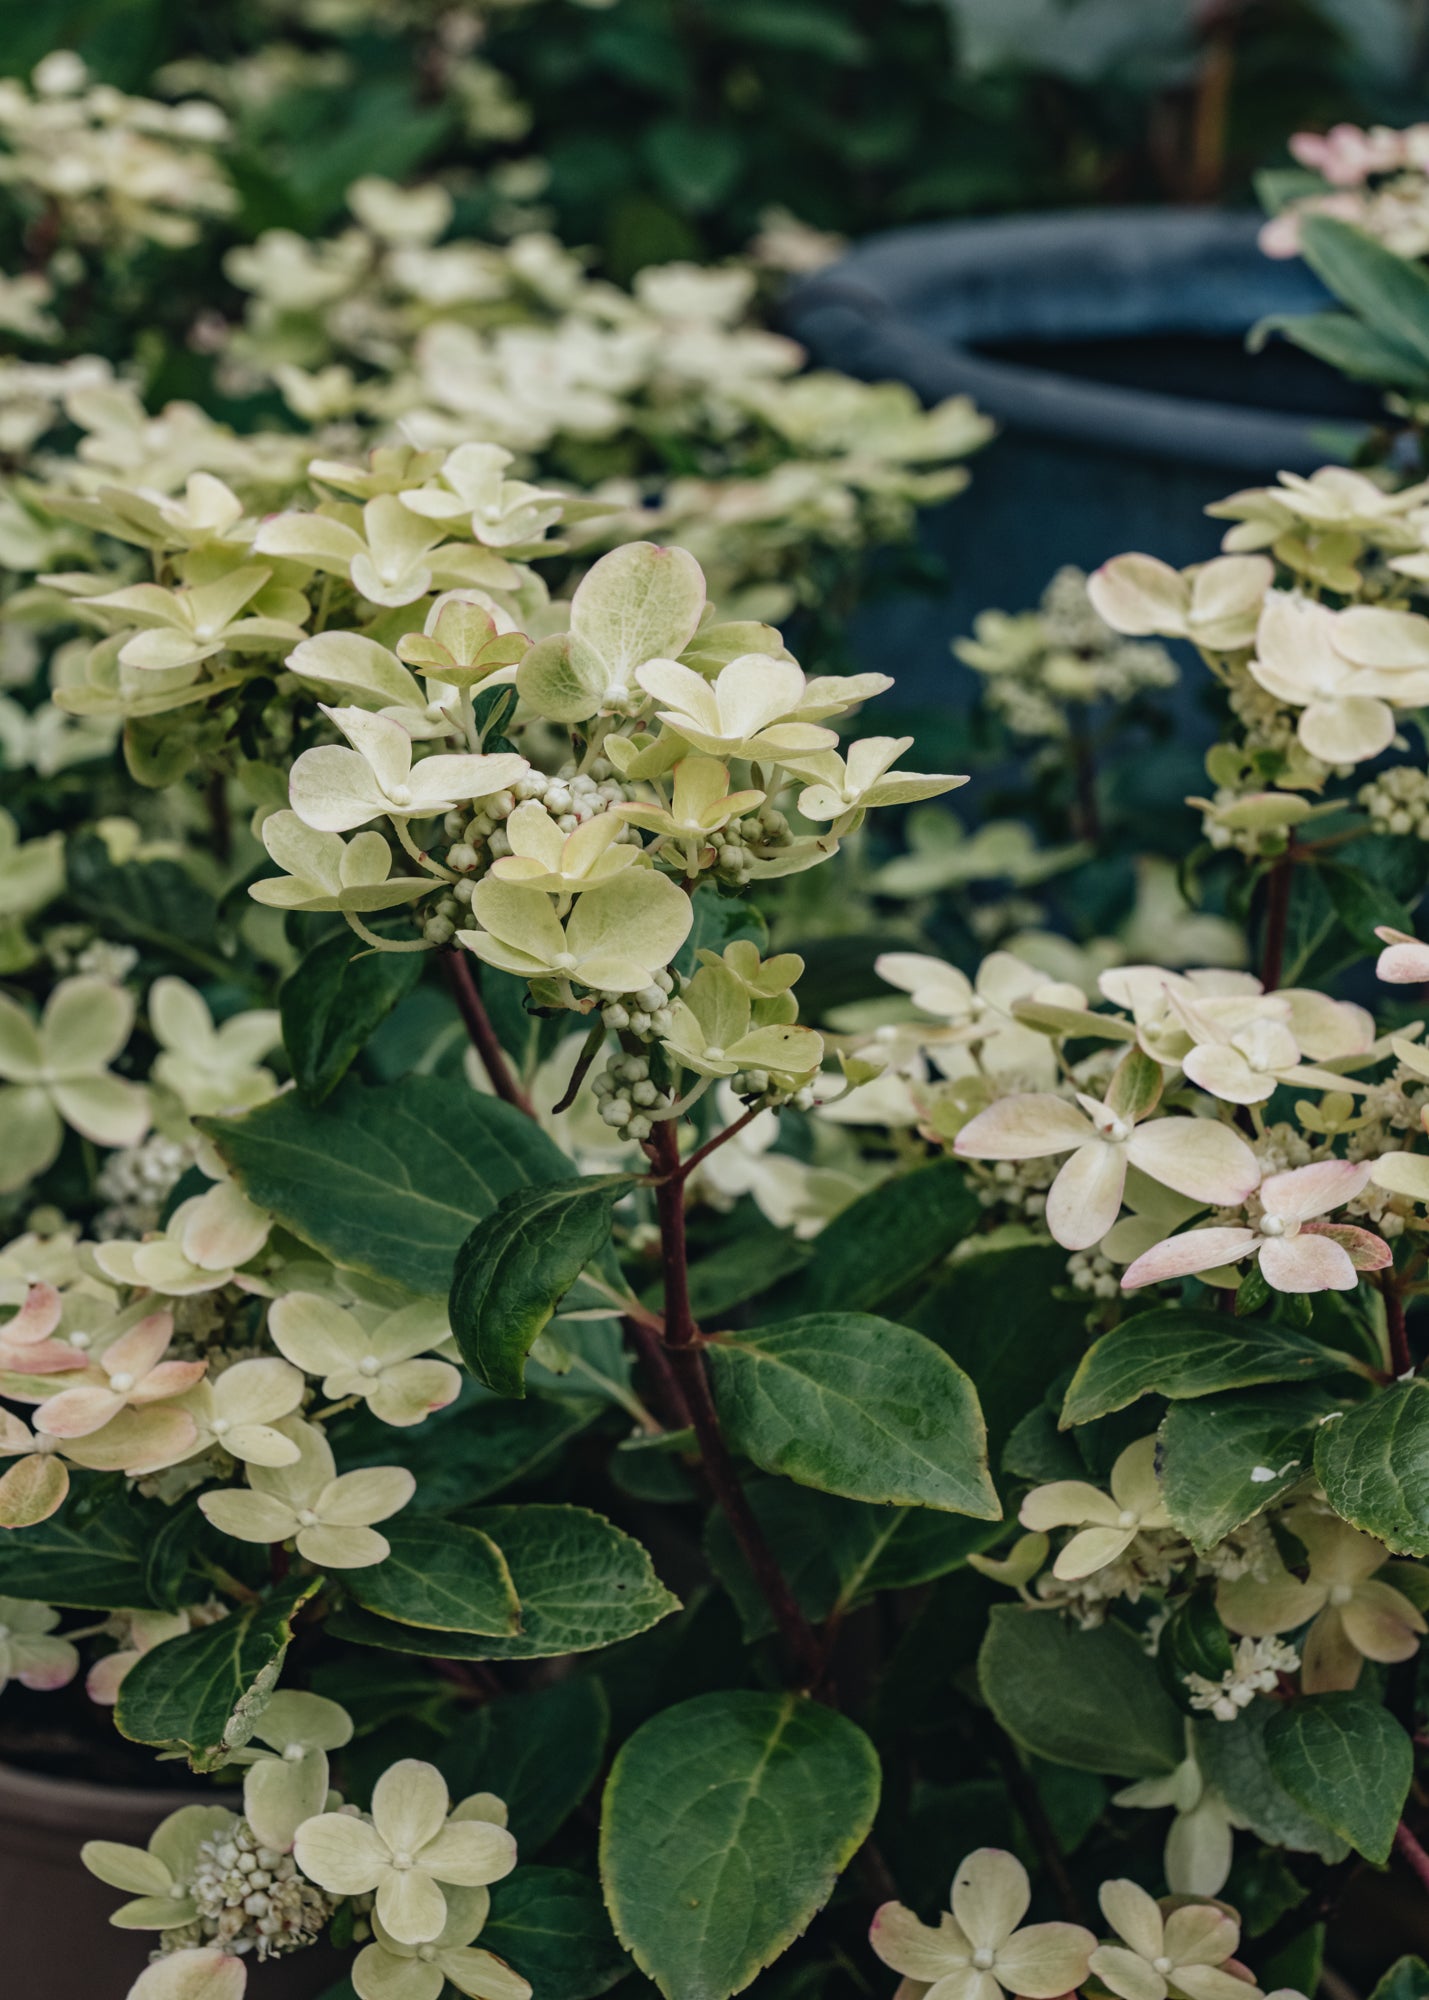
(1026, 1127)
(50, 1357)
(136, 1351)
(1315, 1190)
(201, 1974)
(1183, 1256)
(105, 1678)
(32, 1489)
(37, 1318)
(1381, 1623)
(1404, 962)
(911, 1947)
(1198, 1157)
(137, 1442)
(1365, 1250)
(1306, 1263)
(77, 1412)
(44, 1664)
(170, 1378)
(1085, 1199)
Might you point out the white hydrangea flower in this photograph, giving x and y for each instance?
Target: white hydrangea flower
(1215, 605)
(542, 857)
(410, 1847)
(1194, 1156)
(210, 1069)
(387, 1969)
(1200, 1843)
(326, 872)
(1256, 1667)
(335, 790)
(844, 788)
(382, 1358)
(1296, 1252)
(29, 1652)
(749, 709)
(615, 938)
(978, 1952)
(205, 1241)
(287, 1782)
(1181, 1954)
(57, 1073)
(329, 1515)
(1108, 1526)
(130, 1374)
(160, 1876)
(181, 628)
(238, 1409)
(499, 512)
(1345, 671)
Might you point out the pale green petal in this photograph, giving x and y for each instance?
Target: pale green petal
(280, 1793)
(341, 1853)
(22, 1056)
(483, 1976)
(409, 1806)
(343, 1548)
(470, 1853)
(1133, 1915)
(410, 1905)
(315, 1333)
(192, 1975)
(310, 1719)
(357, 1499)
(249, 1517)
(33, 1134)
(379, 1974)
(990, 1896)
(412, 1390)
(333, 789)
(1127, 1973)
(107, 1109)
(86, 1023)
(906, 1944)
(1200, 1934)
(133, 1869)
(1045, 1960)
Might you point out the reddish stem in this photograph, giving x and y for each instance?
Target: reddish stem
(483, 1036)
(720, 1139)
(1412, 1852)
(683, 1342)
(1277, 917)
(1401, 1361)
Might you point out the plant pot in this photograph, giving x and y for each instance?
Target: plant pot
(58, 1941)
(1109, 345)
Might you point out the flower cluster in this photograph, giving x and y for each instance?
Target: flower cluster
(1376, 179)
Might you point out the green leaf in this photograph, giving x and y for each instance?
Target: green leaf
(207, 1689)
(1406, 1979)
(388, 1181)
(1172, 1351)
(995, 1313)
(1373, 1463)
(155, 902)
(440, 1575)
(726, 1822)
(885, 1240)
(86, 1557)
(1389, 291)
(541, 1752)
(551, 1925)
(858, 1406)
(518, 1264)
(696, 167)
(339, 996)
(1235, 1762)
(1224, 1458)
(1347, 345)
(580, 1581)
(1090, 1699)
(473, 1448)
(1362, 904)
(1346, 1760)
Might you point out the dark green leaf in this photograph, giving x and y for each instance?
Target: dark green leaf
(1362, 904)
(1406, 1979)
(1092, 1699)
(551, 1925)
(440, 1575)
(541, 1752)
(1236, 1763)
(518, 1264)
(473, 1448)
(581, 1584)
(1349, 346)
(858, 1406)
(1373, 1463)
(885, 1240)
(89, 1557)
(1389, 291)
(1224, 1458)
(1172, 1351)
(207, 1690)
(1346, 1760)
(725, 1824)
(387, 1181)
(337, 997)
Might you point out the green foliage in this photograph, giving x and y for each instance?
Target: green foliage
(205, 1692)
(387, 1181)
(1177, 1353)
(440, 1575)
(1224, 1458)
(1110, 1712)
(1348, 1763)
(857, 1406)
(334, 1003)
(550, 1925)
(518, 1264)
(1374, 1464)
(725, 1823)
(541, 1752)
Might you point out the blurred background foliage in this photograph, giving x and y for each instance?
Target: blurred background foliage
(656, 129)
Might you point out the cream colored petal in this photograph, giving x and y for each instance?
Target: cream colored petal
(85, 1024)
(482, 1976)
(411, 1905)
(357, 1499)
(1066, 1503)
(314, 1333)
(1348, 731)
(248, 1517)
(1208, 1982)
(1134, 1484)
(334, 790)
(379, 1974)
(280, 1794)
(907, 1945)
(1127, 1974)
(1330, 1662)
(990, 1896)
(1381, 1623)
(1259, 1607)
(1306, 1263)
(1198, 1157)
(1023, 1128)
(341, 1854)
(1092, 1550)
(107, 1109)
(640, 915)
(1133, 1915)
(221, 1229)
(1200, 1934)
(440, 782)
(192, 1975)
(411, 1390)
(1140, 596)
(257, 1392)
(469, 1853)
(342, 1548)
(1045, 1960)
(1085, 1199)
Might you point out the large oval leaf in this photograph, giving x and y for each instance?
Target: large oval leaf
(1090, 1699)
(1170, 1351)
(1373, 1463)
(518, 1264)
(440, 1575)
(725, 1824)
(388, 1181)
(1346, 1760)
(857, 1406)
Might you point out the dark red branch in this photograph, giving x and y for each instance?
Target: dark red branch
(720, 1138)
(483, 1036)
(1412, 1852)
(1401, 1361)
(1277, 917)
